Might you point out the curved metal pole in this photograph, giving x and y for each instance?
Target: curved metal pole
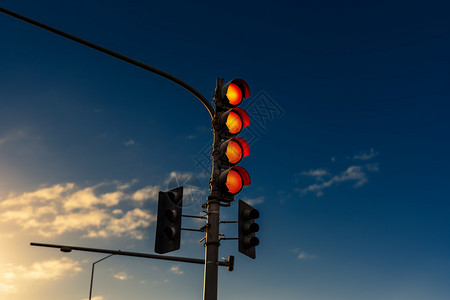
(116, 55)
(92, 274)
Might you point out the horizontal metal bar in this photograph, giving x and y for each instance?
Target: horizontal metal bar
(228, 222)
(229, 239)
(198, 217)
(190, 229)
(66, 248)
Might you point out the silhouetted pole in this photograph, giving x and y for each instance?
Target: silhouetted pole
(92, 274)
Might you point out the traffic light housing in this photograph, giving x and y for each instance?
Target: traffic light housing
(228, 122)
(168, 224)
(247, 227)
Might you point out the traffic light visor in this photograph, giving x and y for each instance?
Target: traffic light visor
(244, 145)
(244, 174)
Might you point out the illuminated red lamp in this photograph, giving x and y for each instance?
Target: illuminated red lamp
(232, 180)
(233, 120)
(233, 150)
(234, 92)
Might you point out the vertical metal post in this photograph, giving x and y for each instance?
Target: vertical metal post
(212, 251)
(213, 219)
(92, 274)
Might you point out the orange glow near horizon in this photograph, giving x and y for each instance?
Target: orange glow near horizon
(234, 94)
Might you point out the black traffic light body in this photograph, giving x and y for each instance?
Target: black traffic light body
(247, 229)
(168, 225)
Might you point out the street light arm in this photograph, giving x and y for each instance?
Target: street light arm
(92, 274)
(116, 55)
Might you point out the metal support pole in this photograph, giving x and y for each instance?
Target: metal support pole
(212, 242)
(92, 274)
(212, 251)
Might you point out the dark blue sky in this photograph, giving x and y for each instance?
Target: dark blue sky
(349, 143)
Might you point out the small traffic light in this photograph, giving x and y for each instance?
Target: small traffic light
(247, 228)
(168, 224)
(229, 120)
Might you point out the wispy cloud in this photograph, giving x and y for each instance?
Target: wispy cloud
(63, 208)
(129, 143)
(366, 155)
(121, 276)
(43, 270)
(302, 255)
(175, 269)
(305, 256)
(147, 193)
(357, 174)
(254, 201)
(317, 173)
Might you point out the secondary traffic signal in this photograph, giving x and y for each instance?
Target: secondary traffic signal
(168, 224)
(247, 228)
(229, 120)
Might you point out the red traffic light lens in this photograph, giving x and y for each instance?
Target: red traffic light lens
(234, 152)
(234, 182)
(234, 123)
(234, 94)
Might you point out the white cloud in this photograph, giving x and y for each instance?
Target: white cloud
(373, 167)
(44, 270)
(53, 269)
(121, 276)
(175, 269)
(63, 208)
(366, 155)
(254, 201)
(129, 143)
(87, 198)
(302, 255)
(353, 173)
(43, 195)
(149, 192)
(306, 256)
(317, 173)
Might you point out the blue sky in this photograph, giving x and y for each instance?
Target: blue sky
(349, 146)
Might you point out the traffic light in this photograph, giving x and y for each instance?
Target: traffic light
(229, 120)
(247, 228)
(168, 224)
